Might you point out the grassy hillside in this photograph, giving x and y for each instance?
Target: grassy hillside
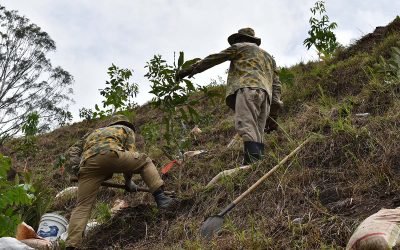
(316, 201)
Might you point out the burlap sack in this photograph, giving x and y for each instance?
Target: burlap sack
(379, 231)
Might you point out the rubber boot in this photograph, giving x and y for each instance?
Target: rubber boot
(164, 201)
(253, 151)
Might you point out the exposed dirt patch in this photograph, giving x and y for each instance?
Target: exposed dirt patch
(131, 225)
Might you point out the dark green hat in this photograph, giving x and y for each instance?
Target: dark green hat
(121, 120)
(246, 33)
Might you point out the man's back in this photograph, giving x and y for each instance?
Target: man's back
(250, 66)
(101, 140)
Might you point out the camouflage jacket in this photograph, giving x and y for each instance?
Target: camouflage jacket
(114, 138)
(250, 66)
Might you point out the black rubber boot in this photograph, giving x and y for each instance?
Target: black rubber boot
(253, 151)
(164, 201)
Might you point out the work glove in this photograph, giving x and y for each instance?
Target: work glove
(130, 186)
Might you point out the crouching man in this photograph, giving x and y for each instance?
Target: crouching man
(101, 153)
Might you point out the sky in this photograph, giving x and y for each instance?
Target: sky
(90, 35)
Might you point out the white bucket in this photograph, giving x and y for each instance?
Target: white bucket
(51, 226)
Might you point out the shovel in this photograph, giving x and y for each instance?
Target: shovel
(214, 223)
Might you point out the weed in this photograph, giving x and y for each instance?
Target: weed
(13, 197)
(41, 202)
(151, 133)
(325, 101)
(101, 212)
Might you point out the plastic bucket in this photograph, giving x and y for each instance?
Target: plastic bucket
(51, 226)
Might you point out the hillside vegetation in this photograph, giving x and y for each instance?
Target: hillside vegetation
(315, 201)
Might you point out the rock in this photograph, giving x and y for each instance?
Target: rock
(92, 224)
(67, 193)
(118, 205)
(362, 115)
(190, 154)
(196, 130)
(297, 221)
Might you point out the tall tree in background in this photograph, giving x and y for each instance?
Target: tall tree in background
(28, 81)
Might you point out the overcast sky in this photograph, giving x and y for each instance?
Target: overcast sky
(90, 35)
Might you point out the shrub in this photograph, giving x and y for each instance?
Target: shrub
(12, 196)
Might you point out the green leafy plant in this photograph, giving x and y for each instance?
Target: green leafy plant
(343, 122)
(390, 68)
(101, 212)
(321, 32)
(172, 97)
(286, 76)
(28, 146)
(42, 198)
(12, 196)
(119, 95)
(151, 133)
(86, 114)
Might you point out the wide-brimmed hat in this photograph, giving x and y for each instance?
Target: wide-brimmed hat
(121, 120)
(247, 33)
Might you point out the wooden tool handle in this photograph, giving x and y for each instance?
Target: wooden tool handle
(114, 185)
(283, 161)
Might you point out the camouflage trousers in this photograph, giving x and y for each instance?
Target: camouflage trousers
(97, 169)
(251, 112)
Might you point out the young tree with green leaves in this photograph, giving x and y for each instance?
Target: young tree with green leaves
(321, 34)
(27, 146)
(171, 95)
(28, 81)
(119, 95)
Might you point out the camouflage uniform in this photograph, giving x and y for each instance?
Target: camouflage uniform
(114, 138)
(251, 67)
(103, 152)
(73, 156)
(253, 84)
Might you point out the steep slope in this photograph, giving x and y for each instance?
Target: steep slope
(317, 200)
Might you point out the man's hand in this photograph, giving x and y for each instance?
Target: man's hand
(130, 186)
(182, 74)
(271, 125)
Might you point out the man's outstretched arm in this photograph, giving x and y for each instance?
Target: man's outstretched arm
(208, 62)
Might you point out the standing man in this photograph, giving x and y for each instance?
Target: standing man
(101, 153)
(253, 89)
